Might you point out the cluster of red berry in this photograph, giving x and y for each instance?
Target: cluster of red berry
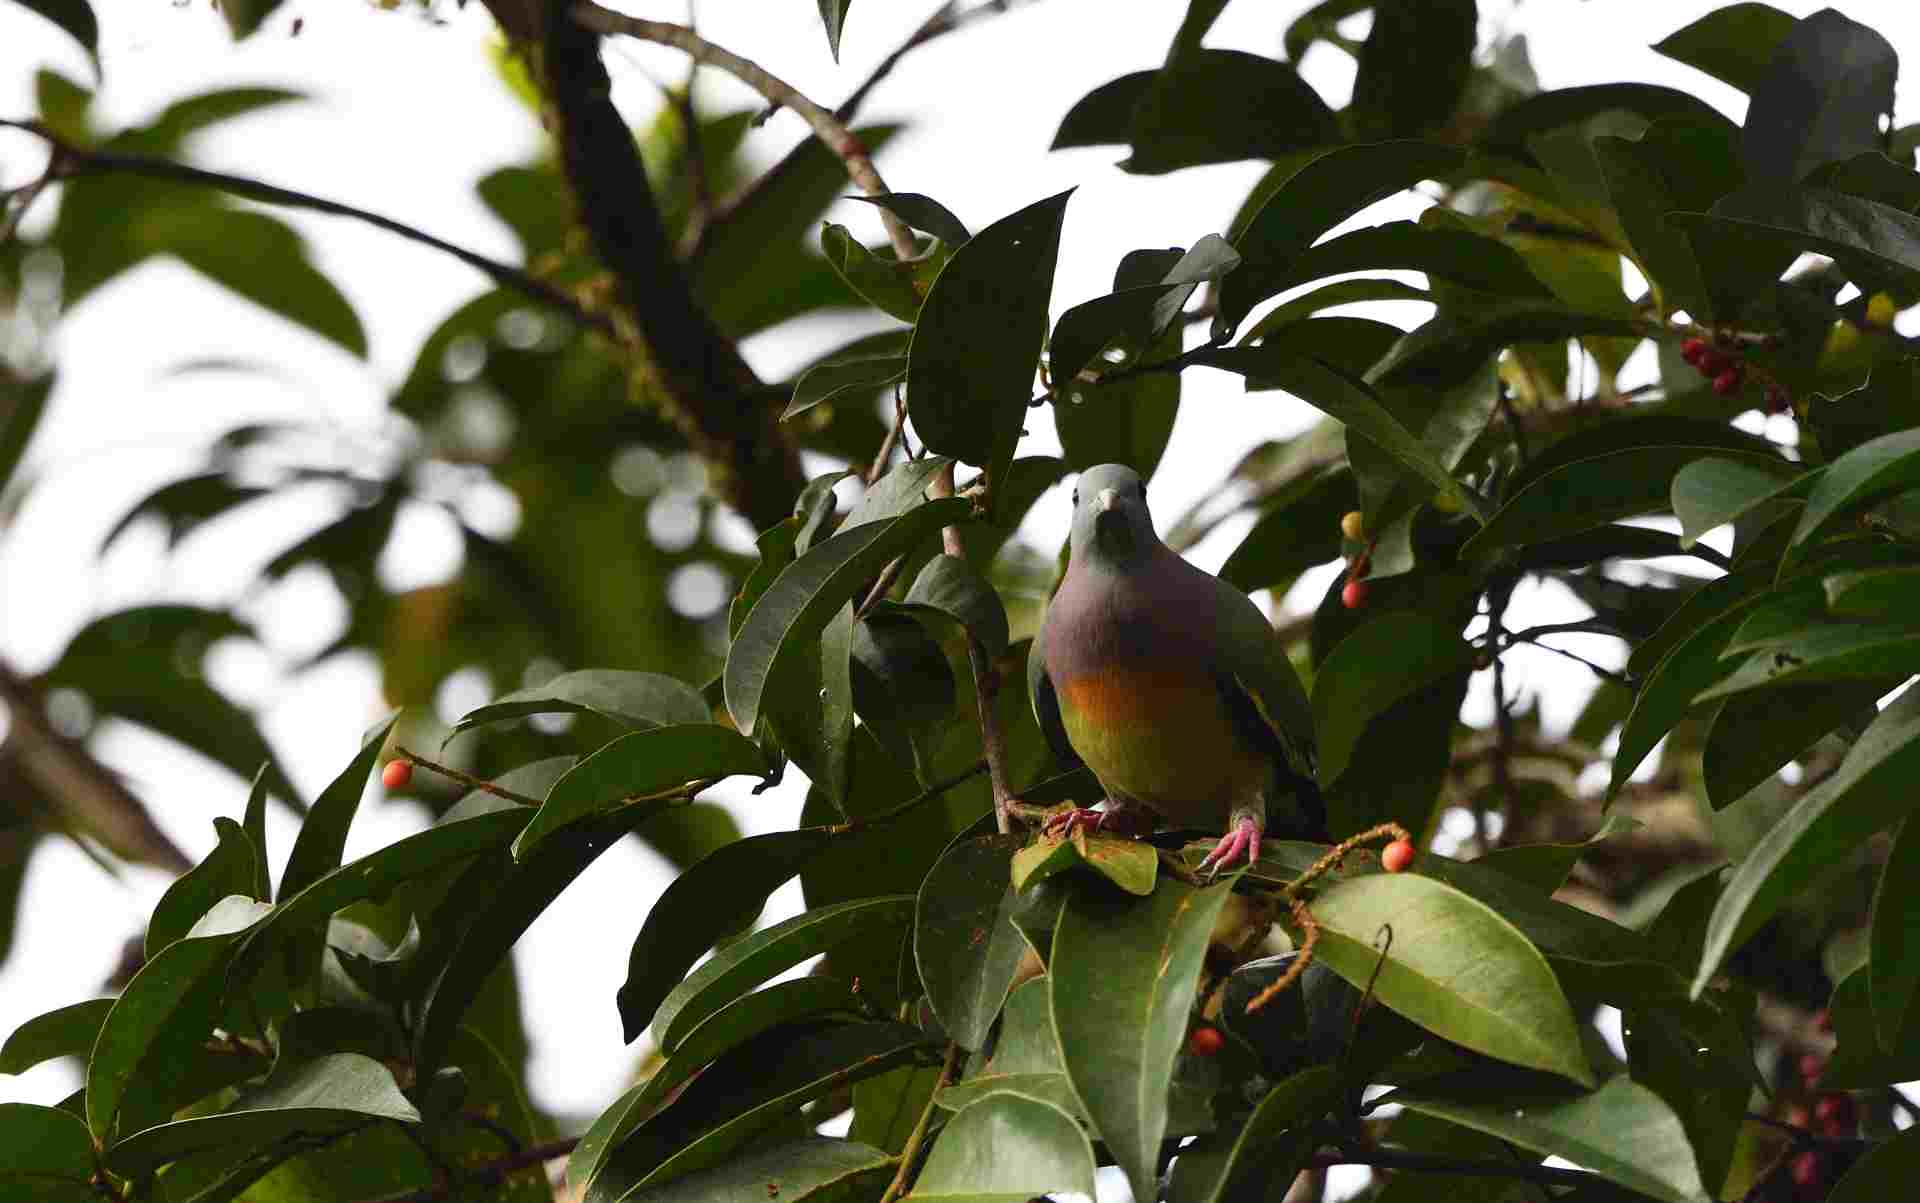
(1833, 1114)
(1353, 594)
(1724, 367)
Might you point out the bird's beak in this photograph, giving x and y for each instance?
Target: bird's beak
(1105, 500)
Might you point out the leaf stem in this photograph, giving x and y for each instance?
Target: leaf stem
(910, 1155)
(466, 779)
(926, 795)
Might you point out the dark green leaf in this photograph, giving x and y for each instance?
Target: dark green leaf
(1371, 669)
(954, 588)
(245, 16)
(1712, 492)
(1298, 528)
(1894, 975)
(1317, 196)
(808, 705)
(262, 259)
(643, 767)
(67, 1032)
(1886, 1172)
(1279, 1125)
(316, 850)
(1888, 595)
(922, 213)
(1134, 315)
(719, 896)
(46, 1155)
(964, 943)
(1453, 965)
(1870, 241)
(23, 409)
(1754, 734)
(1127, 421)
(1622, 1130)
(903, 686)
(329, 1094)
(833, 15)
(900, 490)
(977, 341)
(1824, 654)
(1862, 1059)
(801, 601)
(748, 962)
(855, 379)
(1454, 344)
(233, 867)
(882, 281)
(1830, 82)
(1516, 127)
(1545, 866)
(1733, 44)
(633, 699)
(1870, 790)
(812, 1169)
(1122, 976)
(1006, 1149)
(1340, 292)
(1868, 473)
(75, 17)
(163, 1017)
(1412, 68)
(1456, 256)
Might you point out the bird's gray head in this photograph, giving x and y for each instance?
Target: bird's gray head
(1111, 526)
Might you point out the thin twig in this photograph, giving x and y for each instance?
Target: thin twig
(487, 1174)
(903, 1178)
(1605, 674)
(986, 680)
(944, 20)
(894, 433)
(70, 161)
(828, 128)
(466, 779)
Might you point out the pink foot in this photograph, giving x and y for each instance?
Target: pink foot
(1063, 825)
(1241, 845)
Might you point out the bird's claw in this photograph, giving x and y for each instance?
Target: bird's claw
(1063, 825)
(1241, 845)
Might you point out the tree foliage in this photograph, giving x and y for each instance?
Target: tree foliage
(998, 1013)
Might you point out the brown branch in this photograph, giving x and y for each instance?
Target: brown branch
(826, 126)
(71, 161)
(706, 388)
(88, 793)
(986, 681)
(486, 1175)
(466, 779)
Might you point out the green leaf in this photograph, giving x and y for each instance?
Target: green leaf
(1893, 975)
(1456, 256)
(46, 1155)
(73, 16)
(1454, 966)
(953, 588)
(1583, 495)
(632, 699)
(245, 16)
(1886, 595)
(1371, 669)
(1886, 1172)
(747, 1091)
(770, 951)
(1125, 421)
(1733, 44)
(1872, 242)
(1545, 866)
(329, 1094)
(977, 341)
(262, 259)
(1869, 791)
(735, 1024)
(809, 706)
(882, 281)
(67, 1032)
(1712, 492)
(1343, 292)
(817, 1168)
(1518, 126)
(964, 943)
(1622, 1131)
(1821, 99)
(1753, 734)
(161, 1020)
(1298, 527)
(809, 592)
(1413, 67)
(719, 896)
(1643, 184)
(1122, 978)
(317, 849)
(1318, 195)
(231, 868)
(1218, 106)
(922, 213)
(903, 686)
(1869, 473)
(24, 408)
(855, 379)
(644, 767)
(1824, 654)
(1277, 1133)
(833, 15)
(1135, 313)
(1006, 1149)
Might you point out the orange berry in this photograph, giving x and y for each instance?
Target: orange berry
(1353, 526)
(1396, 856)
(396, 774)
(1206, 1041)
(1354, 595)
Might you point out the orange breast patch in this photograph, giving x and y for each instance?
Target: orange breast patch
(1159, 734)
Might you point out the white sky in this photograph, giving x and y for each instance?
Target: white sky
(403, 118)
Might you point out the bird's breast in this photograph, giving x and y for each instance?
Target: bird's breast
(1162, 734)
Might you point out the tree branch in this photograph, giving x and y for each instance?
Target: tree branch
(707, 390)
(986, 682)
(71, 161)
(89, 793)
(826, 126)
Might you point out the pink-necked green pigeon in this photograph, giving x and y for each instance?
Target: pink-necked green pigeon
(1169, 685)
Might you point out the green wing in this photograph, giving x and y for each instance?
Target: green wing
(1046, 703)
(1265, 677)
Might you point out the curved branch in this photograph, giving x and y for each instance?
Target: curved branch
(71, 161)
(826, 126)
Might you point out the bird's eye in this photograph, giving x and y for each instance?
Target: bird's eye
(1076, 497)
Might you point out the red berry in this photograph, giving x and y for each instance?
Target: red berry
(1777, 400)
(1823, 1019)
(1728, 383)
(1712, 363)
(1692, 349)
(1805, 1168)
(396, 774)
(1396, 856)
(1835, 1113)
(1797, 1116)
(1354, 595)
(1206, 1041)
(1812, 1065)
